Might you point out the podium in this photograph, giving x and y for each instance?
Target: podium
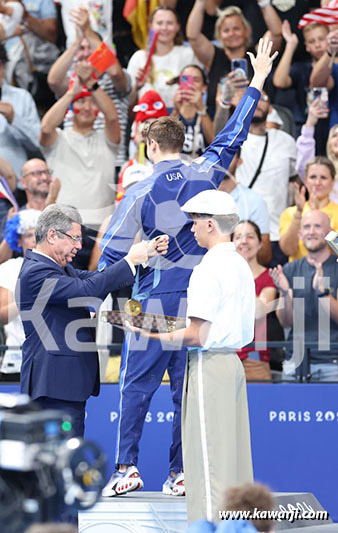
(153, 512)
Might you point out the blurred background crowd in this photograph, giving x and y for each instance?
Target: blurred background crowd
(71, 118)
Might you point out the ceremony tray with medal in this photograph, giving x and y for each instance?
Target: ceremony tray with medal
(149, 321)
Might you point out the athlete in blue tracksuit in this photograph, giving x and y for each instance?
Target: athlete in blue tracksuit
(152, 207)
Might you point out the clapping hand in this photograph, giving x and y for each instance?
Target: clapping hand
(84, 71)
(279, 279)
(317, 282)
(300, 199)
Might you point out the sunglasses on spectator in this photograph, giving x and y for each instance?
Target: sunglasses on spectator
(39, 173)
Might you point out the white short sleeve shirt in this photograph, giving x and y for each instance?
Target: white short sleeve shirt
(222, 291)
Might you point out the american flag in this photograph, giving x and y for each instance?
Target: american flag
(323, 15)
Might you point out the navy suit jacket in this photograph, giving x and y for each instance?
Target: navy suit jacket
(55, 362)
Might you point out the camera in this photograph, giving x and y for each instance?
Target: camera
(45, 473)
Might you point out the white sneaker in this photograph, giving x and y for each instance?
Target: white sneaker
(174, 486)
(123, 482)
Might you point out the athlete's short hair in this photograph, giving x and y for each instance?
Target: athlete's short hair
(168, 132)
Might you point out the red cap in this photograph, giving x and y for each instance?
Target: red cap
(150, 105)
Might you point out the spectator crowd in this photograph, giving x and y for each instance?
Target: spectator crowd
(71, 133)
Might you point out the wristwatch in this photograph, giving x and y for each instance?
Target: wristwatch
(321, 294)
(94, 87)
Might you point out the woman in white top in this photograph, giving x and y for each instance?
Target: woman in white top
(169, 58)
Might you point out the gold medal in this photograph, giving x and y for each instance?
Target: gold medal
(132, 307)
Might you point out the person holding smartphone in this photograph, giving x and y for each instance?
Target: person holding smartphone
(190, 109)
(233, 32)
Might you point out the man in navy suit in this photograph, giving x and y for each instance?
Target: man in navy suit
(60, 366)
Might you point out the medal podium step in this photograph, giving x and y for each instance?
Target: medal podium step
(138, 512)
(153, 512)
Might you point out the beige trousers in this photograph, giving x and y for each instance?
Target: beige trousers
(215, 431)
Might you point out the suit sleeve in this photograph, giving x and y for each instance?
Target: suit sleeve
(228, 141)
(55, 288)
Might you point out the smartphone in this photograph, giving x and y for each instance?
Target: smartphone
(241, 66)
(332, 240)
(322, 94)
(186, 81)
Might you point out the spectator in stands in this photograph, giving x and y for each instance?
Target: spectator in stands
(10, 16)
(248, 241)
(40, 189)
(100, 13)
(250, 205)
(84, 158)
(169, 58)
(248, 498)
(33, 54)
(19, 121)
(325, 74)
(233, 32)
(190, 109)
(269, 158)
(149, 107)
(313, 281)
(297, 75)
(319, 181)
(115, 81)
(20, 236)
(306, 143)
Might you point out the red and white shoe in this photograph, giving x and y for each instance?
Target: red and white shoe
(123, 482)
(174, 486)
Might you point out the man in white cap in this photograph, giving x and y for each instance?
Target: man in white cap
(221, 311)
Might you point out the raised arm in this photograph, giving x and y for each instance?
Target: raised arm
(55, 115)
(273, 23)
(281, 77)
(290, 224)
(202, 47)
(306, 145)
(321, 72)
(58, 79)
(103, 102)
(231, 137)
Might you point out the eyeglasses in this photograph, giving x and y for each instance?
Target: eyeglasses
(39, 173)
(74, 239)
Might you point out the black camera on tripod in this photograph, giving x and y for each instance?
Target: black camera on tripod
(45, 474)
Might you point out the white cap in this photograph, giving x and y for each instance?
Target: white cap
(134, 173)
(211, 202)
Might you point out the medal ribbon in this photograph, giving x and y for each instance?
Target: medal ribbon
(144, 295)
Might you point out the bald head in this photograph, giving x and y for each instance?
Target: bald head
(33, 164)
(318, 217)
(36, 178)
(314, 226)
